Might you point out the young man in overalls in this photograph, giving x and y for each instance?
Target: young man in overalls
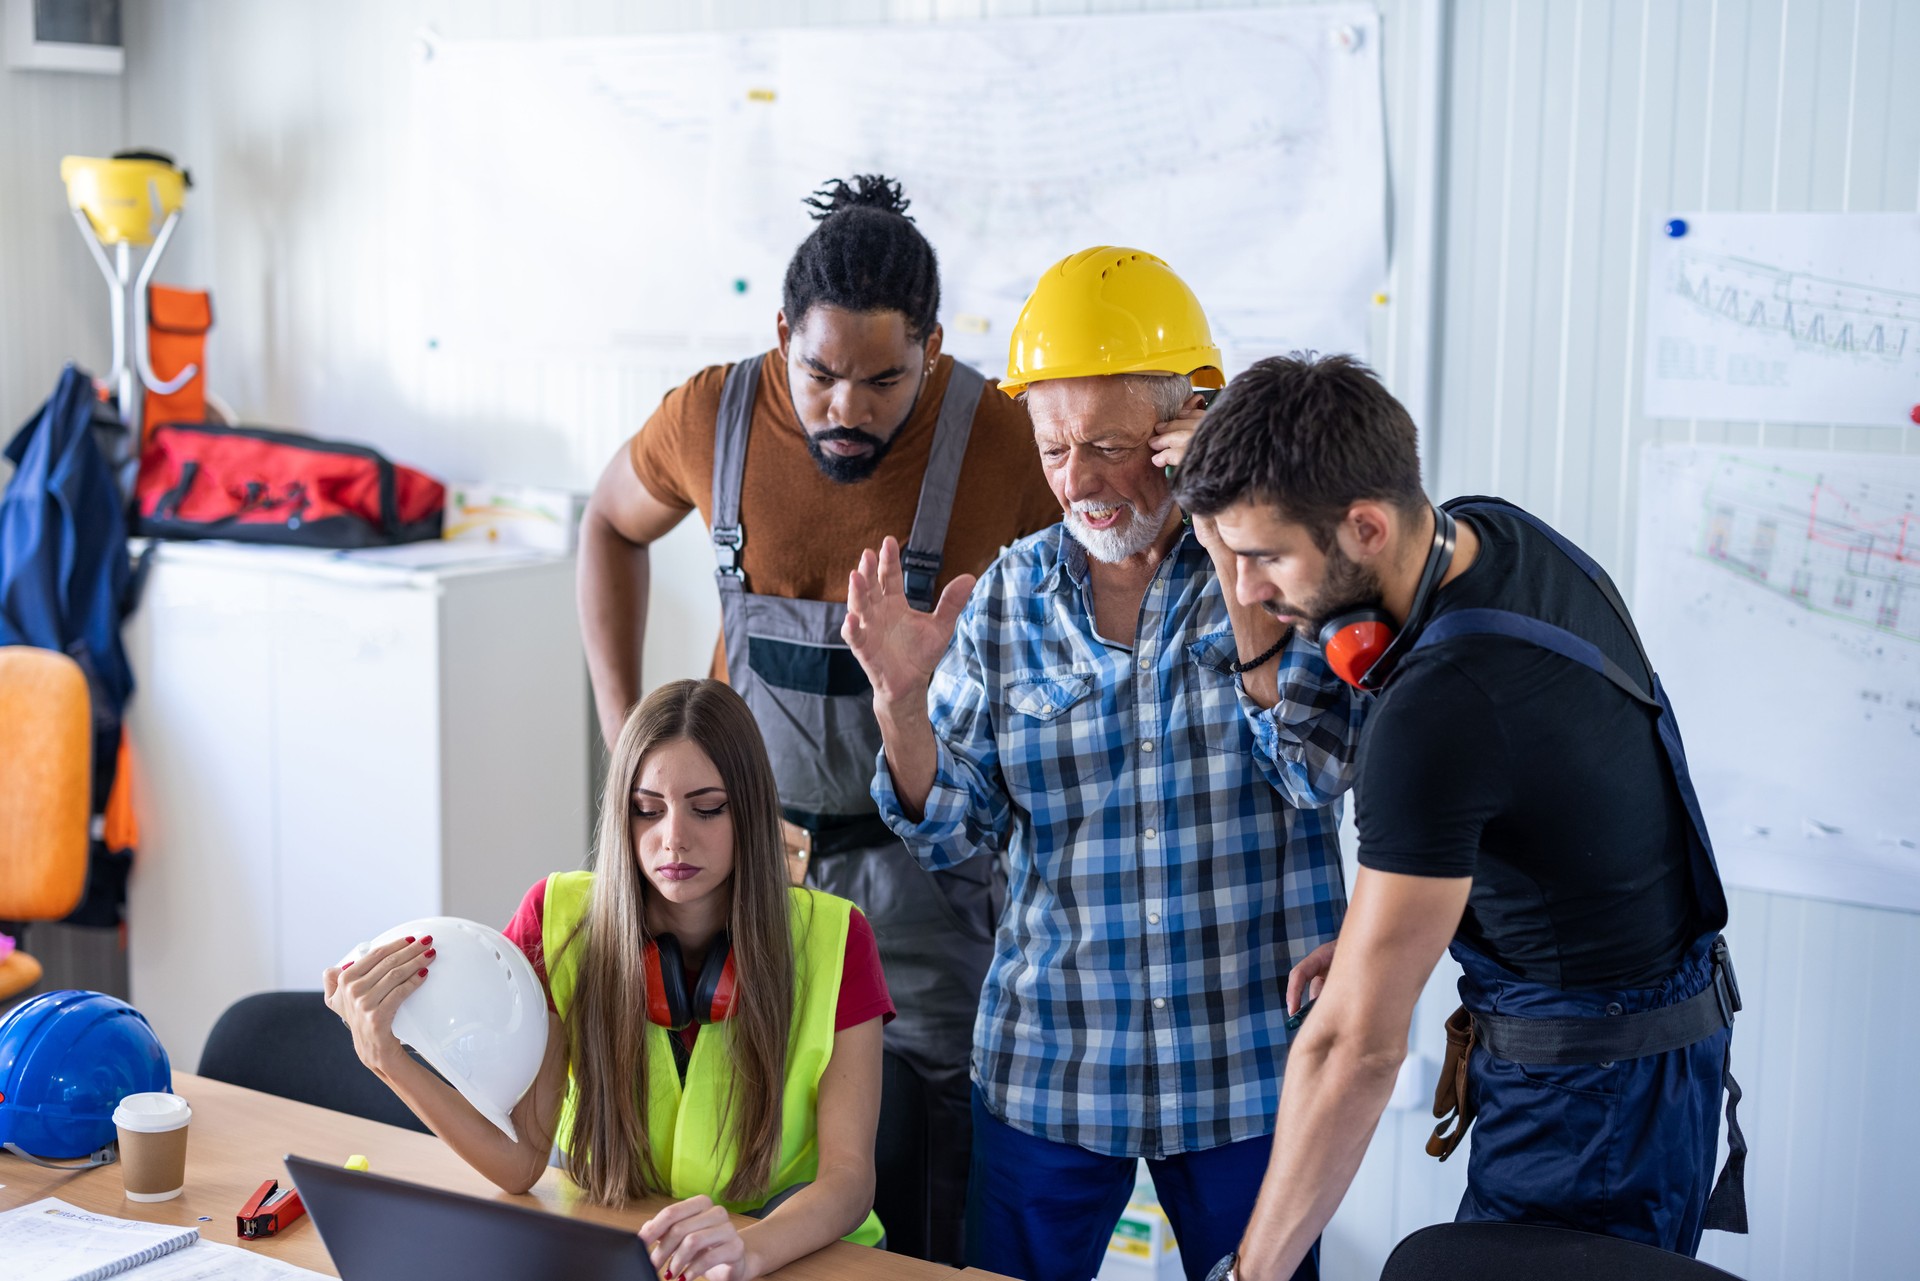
(854, 429)
(1522, 797)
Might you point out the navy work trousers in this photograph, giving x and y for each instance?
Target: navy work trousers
(1044, 1211)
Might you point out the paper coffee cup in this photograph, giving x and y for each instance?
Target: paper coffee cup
(153, 1145)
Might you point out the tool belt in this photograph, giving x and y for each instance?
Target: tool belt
(1550, 1042)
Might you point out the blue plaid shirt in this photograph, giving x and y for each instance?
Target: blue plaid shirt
(1172, 849)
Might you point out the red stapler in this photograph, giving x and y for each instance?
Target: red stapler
(268, 1210)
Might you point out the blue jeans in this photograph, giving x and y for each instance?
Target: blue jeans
(1044, 1211)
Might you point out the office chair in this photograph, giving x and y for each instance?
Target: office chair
(46, 782)
(1526, 1252)
(292, 1045)
(902, 1194)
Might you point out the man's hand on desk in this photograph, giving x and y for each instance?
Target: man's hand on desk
(367, 993)
(695, 1237)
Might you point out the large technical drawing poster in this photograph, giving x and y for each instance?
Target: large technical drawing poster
(644, 194)
(1778, 592)
(1793, 318)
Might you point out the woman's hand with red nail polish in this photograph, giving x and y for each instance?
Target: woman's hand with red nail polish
(695, 1237)
(366, 994)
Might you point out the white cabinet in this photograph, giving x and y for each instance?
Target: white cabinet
(328, 744)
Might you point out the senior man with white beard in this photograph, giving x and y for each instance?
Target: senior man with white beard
(1160, 764)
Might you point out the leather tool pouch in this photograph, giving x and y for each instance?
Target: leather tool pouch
(1452, 1101)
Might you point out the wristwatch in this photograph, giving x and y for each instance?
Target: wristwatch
(1224, 1270)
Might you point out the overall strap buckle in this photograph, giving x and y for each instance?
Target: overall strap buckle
(922, 573)
(727, 541)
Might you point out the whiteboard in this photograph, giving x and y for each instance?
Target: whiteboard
(1778, 592)
(643, 195)
(1796, 318)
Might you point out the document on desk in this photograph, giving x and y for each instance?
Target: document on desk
(49, 1240)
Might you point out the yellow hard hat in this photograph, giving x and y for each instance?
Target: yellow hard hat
(126, 198)
(1111, 311)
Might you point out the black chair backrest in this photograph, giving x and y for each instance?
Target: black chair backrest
(1526, 1252)
(292, 1045)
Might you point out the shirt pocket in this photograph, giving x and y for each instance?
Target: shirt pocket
(1215, 722)
(1047, 697)
(1043, 744)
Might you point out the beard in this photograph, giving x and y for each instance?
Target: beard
(1348, 585)
(1130, 538)
(847, 470)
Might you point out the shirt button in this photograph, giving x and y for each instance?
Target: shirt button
(1159, 1002)
(1151, 833)
(1614, 1007)
(1147, 746)
(1153, 918)
(1145, 662)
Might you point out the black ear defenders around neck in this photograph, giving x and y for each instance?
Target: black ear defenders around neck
(1363, 645)
(669, 1002)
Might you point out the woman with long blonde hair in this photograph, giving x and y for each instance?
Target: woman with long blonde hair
(715, 1031)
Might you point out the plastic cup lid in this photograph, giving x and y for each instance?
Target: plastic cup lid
(152, 1113)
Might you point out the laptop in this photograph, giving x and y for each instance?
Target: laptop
(381, 1229)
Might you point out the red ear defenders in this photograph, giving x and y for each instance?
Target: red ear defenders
(669, 1001)
(1363, 645)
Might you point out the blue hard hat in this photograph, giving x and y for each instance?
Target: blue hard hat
(66, 1061)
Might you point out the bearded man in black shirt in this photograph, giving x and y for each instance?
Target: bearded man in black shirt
(1522, 799)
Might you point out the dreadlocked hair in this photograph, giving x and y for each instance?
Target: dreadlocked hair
(865, 255)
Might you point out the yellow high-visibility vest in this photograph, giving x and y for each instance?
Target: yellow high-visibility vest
(684, 1120)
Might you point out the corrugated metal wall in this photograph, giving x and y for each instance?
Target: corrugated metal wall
(53, 303)
(1568, 129)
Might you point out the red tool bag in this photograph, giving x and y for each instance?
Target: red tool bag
(258, 486)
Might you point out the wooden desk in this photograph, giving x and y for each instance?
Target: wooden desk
(239, 1136)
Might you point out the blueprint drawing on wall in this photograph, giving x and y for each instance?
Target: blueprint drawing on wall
(643, 195)
(1778, 592)
(1800, 318)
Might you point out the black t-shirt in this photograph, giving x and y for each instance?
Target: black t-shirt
(1493, 758)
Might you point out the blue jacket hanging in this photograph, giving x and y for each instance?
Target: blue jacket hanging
(64, 586)
(63, 549)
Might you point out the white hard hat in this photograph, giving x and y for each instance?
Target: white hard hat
(481, 1022)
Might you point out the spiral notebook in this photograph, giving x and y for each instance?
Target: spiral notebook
(49, 1240)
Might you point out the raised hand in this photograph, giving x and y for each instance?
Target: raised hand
(897, 644)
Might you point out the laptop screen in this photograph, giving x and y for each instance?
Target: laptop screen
(382, 1229)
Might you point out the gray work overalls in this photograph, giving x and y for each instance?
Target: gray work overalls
(814, 706)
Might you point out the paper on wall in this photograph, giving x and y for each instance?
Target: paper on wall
(1797, 318)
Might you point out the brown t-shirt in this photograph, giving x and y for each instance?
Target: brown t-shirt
(804, 532)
